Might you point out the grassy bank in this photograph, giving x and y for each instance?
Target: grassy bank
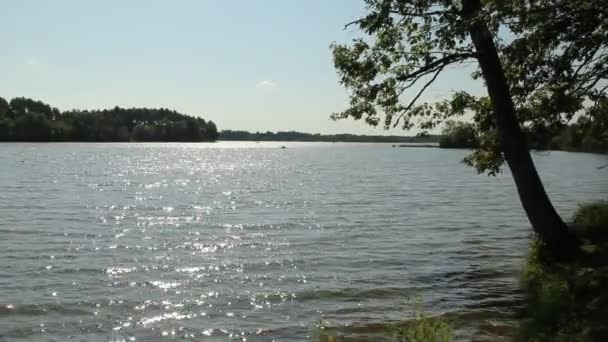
(420, 328)
(569, 301)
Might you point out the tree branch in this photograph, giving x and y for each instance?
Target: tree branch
(354, 22)
(411, 104)
(422, 15)
(429, 68)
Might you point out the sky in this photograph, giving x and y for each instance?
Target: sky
(252, 65)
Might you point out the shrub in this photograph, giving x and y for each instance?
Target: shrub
(551, 307)
(419, 329)
(591, 219)
(423, 329)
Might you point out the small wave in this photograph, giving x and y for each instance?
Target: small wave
(45, 309)
(357, 293)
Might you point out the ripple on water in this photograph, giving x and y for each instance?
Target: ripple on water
(143, 242)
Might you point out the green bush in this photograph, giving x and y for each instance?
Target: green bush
(419, 329)
(551, 311)
(591, 219)
(568, 301)
(548, 289)
(423, 329)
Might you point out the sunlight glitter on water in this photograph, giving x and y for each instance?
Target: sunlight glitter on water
(189, 241)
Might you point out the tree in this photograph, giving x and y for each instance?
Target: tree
(458, 134)
(33, 126)
(595, 127)
(537, 73)
(211, 131)
(7, 129)
(144, 132)
(22, 105)
(4, 108)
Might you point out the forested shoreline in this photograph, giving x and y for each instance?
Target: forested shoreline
(230, 135)
(24, 119)
(587, 134)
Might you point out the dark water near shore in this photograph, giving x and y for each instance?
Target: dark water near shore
(152, 242)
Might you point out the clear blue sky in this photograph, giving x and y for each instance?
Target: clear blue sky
(254, 65)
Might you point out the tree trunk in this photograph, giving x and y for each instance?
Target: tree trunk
(543, 217)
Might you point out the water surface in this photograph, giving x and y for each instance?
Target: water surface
(152, 242)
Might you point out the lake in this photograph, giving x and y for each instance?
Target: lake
(243, 240)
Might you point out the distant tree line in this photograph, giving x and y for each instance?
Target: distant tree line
(458, 135)
(24, 119)
(299, 136)
(587, 134)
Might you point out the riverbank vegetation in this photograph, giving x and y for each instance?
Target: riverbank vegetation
(420, 328)
(24, 119)
(568, 300)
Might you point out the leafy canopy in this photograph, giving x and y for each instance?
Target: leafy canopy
(554, 53)
(457, 134)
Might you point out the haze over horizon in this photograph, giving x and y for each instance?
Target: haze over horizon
(240, 64)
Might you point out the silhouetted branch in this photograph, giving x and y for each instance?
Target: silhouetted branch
(354, 22)
(431, 67)
(411, 104)
(422, 15)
